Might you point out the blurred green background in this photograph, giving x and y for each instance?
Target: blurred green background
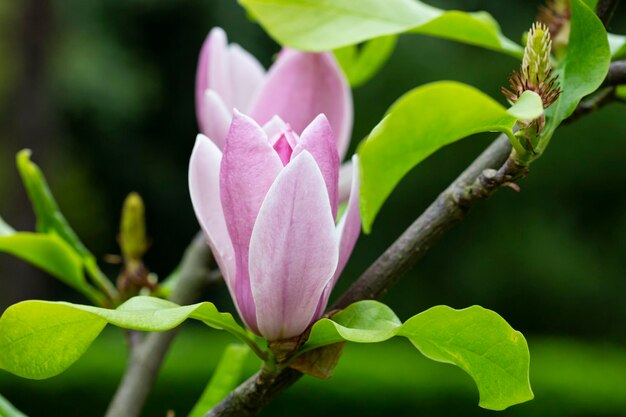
(102, 92)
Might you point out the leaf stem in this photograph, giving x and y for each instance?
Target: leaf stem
(101, 280)
(253, 345)
(95, 296)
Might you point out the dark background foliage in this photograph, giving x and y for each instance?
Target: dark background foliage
(102, 92)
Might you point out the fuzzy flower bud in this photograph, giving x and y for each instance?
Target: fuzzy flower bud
(536, 63)
(536, 71)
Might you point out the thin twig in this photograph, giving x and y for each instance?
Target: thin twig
(146, 358)
(595, 102)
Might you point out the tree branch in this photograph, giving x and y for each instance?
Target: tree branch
(616, 75)
(478, 181)
(595, 102)
(604, 95)
(605, 10)
(146, 359)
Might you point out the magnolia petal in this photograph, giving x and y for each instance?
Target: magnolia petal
(213, 69)
(348, 231)
(301, 85)
(214, 118)
(293, 250)
(204, 182)
(318, 139)
(249, 167)
(274, 127)
(283, 149)
(247, 76)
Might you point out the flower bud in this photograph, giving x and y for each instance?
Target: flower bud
(536, 70)
(132, 238)
(536, 63)
(268, 206)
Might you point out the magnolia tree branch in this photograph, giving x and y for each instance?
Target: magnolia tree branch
(595, 102)
(616, 75)
(492, 169)
(478, 181)
(147, 356)
(605, 95)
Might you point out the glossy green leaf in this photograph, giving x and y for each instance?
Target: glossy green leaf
(527, 107)
(360, 64)
(224, 379)
(583, 68)
(52, 254)
(324, 25)
(362, 322)
(8, 410)
(481, 343)
(620, 92)
(475, 339)
(49, 217)
(40, 339)
(418, 124)
(50, 220)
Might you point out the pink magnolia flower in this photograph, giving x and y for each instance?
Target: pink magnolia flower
(268, 206)
(297, 88)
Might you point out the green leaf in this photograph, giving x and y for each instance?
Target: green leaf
(50, 220)
(8, 410)
(418, 124)
(583, 68)
(481, 343)
(475, 339)
(362, 322)
(49, 217)
(620, 92)
(323, 25)
(5, 229)
(360, 64)
(41, 339)
(224, 380)
(527, 107)
(50, 253)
